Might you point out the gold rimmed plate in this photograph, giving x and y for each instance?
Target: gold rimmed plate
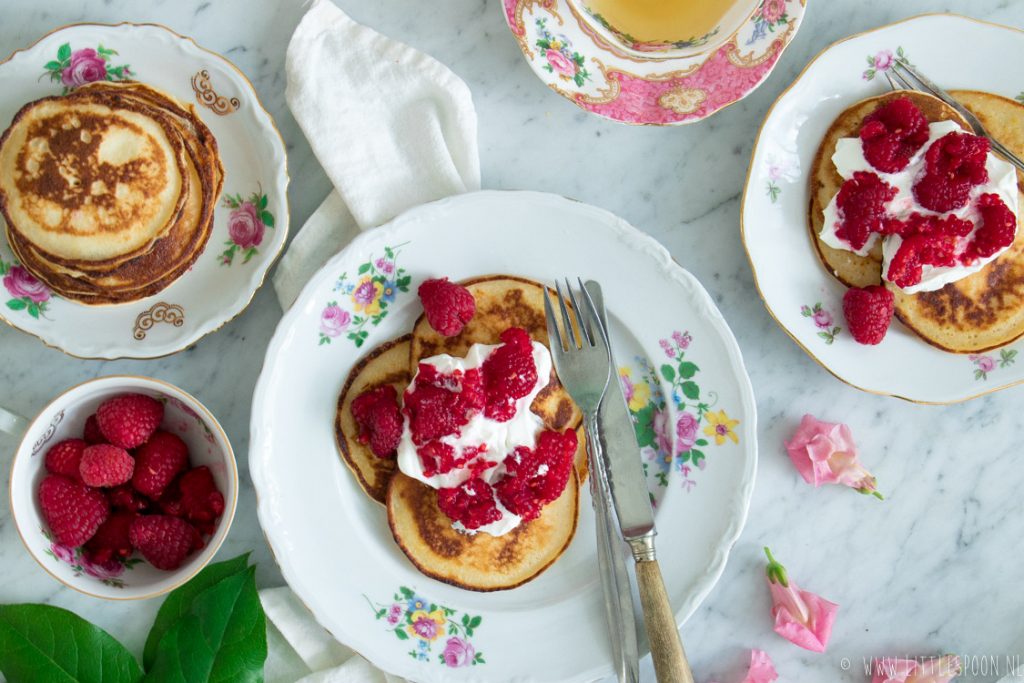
(250, 220)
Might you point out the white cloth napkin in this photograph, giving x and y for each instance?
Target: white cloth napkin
(392, 127)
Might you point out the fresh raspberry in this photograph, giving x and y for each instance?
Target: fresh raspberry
(509, 374)
(536, 477)
(916, 251)
(72, 510)
(379, 419)
(92, 434)
(471, 504)
(920, 224)
(111, 542)
(440, 404)
(861, 202)
(158, 462)
(448, 306)
(892, 134)
(953, 165)
(105, 465)
(868, 312)
(438, 457)
(201, 501)
(163, 540)
(997, 230)
(128, 420)
(124, 497)
(64, 457)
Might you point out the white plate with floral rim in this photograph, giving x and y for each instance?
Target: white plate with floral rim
(597, 76)
(250, 222)
(799, 293)
(687, 388)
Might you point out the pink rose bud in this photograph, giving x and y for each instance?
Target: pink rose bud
(761, 668)
(897, 670)
(824, 453)
(801, 617)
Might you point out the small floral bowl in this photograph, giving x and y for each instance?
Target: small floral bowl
(64, 418)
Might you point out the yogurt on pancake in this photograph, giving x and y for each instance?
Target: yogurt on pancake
(849, 158)
(490, 439)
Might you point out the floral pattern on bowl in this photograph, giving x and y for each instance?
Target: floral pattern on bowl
(678, 448)
(73, 68)
(374, 288)
(247, 223)
(823, 320)
(413, 618)
(26, 292)
(597, 75)
(107, 573)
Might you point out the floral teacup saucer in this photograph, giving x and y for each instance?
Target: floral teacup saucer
(596, 75)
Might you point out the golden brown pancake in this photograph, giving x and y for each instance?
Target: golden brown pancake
(172, 254)
(480, 562)
(849, 268)
(502, 301)
(978, 313)
(86, 181)
(386, 364)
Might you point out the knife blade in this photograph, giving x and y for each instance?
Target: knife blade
(622, 454)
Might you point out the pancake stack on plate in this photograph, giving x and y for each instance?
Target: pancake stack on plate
(108, 192)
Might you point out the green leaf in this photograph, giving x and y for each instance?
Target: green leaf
(389, 252)
(644, 426)
(475, 621)
(668, 372)
(222, 637)
(688, 369)
(267, 218)
(45, 643)
(365, 268)
(53, 66)
(263, 201)
(64, 52)
(402, 635)
(702, 442)
(33, 310)
(180, 601)
(406, 592)
(17, 304)
(691, 390)
(404, 282)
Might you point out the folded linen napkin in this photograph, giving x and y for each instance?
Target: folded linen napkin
(392, 127)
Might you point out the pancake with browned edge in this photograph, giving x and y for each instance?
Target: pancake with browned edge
(502, 301)
(850, 269)
(386, 364)
(480, 562)
(977, 313)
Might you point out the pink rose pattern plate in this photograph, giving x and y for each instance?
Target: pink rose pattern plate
(250, 222)
(583, 67)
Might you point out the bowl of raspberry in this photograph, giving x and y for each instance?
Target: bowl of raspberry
(123, 487)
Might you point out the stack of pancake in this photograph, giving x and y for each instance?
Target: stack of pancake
(982, 311)
(480, 562)
(108, 192)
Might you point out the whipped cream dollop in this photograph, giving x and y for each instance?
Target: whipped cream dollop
(849, 158)
(500, 439)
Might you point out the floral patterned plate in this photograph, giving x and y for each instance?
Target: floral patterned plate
(687, 389)
(805, 299)
(250, 223)
(593, 73)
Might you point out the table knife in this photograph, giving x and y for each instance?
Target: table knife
(632, 504)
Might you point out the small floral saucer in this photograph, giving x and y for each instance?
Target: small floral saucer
(250, 223)
(585, 68)
(687, 390)
(802, 297)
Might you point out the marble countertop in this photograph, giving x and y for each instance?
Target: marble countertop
(930, 570)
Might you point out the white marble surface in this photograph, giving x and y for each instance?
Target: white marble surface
(935, 568)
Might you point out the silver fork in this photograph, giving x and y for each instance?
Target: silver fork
(584, 367)
(898, 80)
